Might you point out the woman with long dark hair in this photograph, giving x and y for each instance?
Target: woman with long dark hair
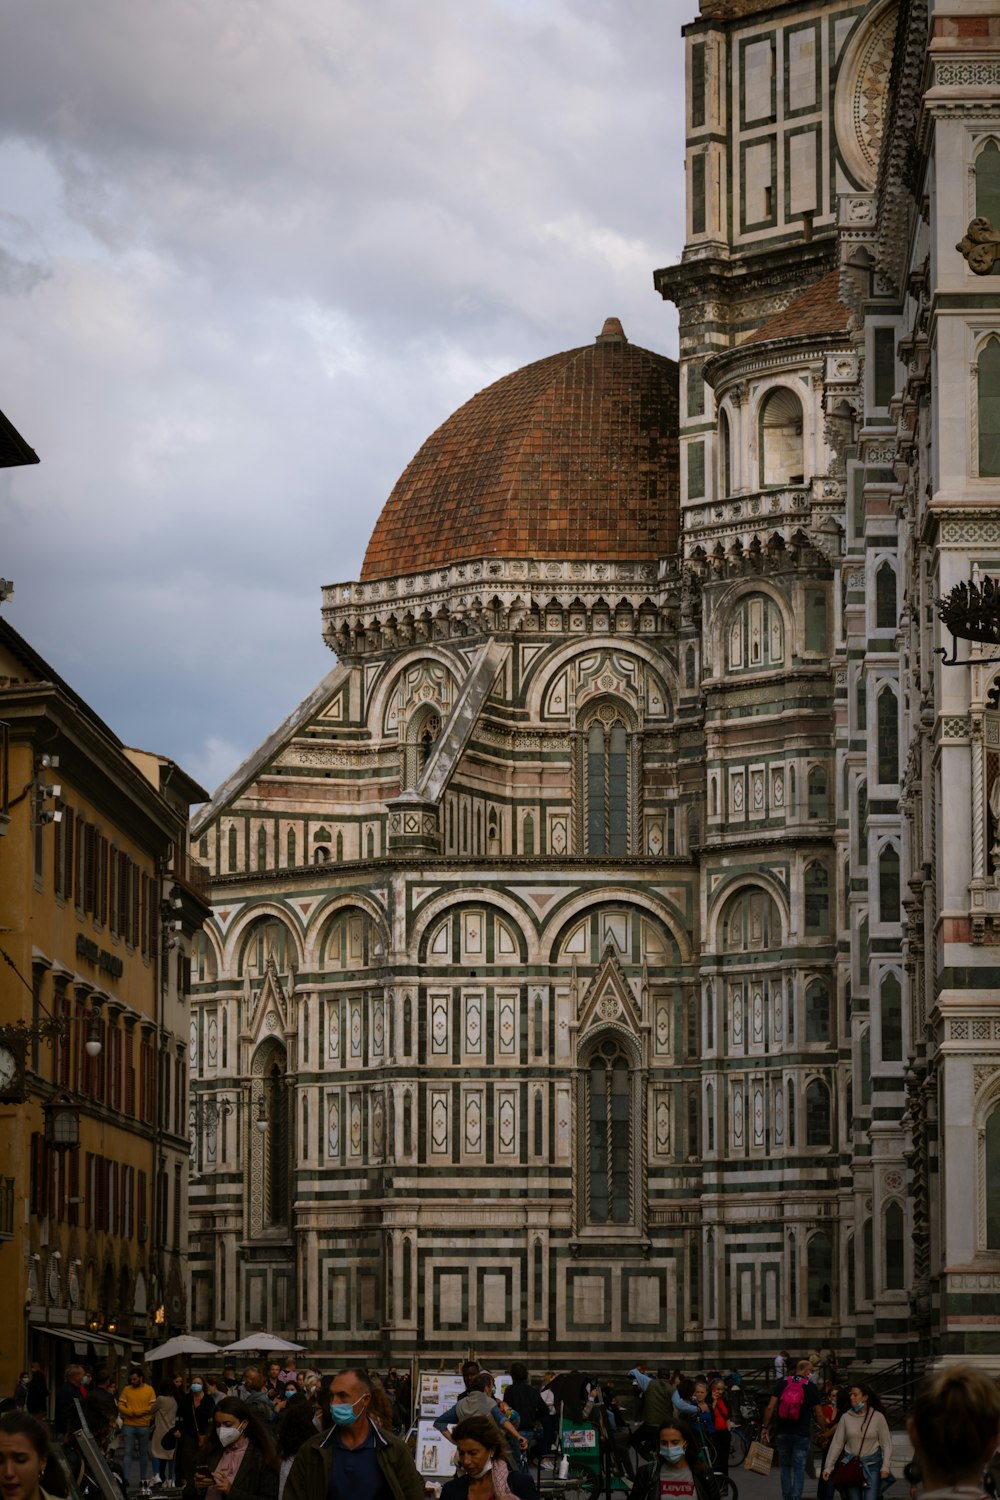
(238, 1461)
(679, 1461)
(862, 1433)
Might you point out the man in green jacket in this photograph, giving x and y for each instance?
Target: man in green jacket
(355, 1460)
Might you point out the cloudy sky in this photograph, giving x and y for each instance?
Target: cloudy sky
(251, 253)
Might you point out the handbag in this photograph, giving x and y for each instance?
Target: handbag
(168, 1442)
(759, 1458)
(847, 1472)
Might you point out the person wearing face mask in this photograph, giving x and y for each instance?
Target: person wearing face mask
(238, 1461)
(195, 1411)
(677, 1470)
(861, 1433)
(358, 1457)
(484, 1473)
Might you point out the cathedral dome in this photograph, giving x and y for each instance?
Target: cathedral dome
(574, 456)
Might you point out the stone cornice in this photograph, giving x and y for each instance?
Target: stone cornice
(489, 596)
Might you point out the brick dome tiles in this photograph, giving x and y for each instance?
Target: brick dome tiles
(817, 310)
(574, 456)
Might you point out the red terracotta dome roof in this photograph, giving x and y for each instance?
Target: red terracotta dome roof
(574, 456)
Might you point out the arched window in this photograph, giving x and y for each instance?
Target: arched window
(819, 1277)
(888, 735)
(868, 1251)
(886, 613)
(816, 889)
(261, 849)
(607, 788)
(370, 844)
(340, 848)
(422, 733)
(895, 1250)
(991, 1186)
(609, 1136)
(725, 456)
(407, 1123)
(710, 1118)
(232, 847)
(527, 834)
(817, 1114)
(852, 1271)
(888, 884)
(274, 1143)
(290, 847)
(750, 922)
(891, 1015)
(988, 186)
(818, 793)
(267, 938)
(321, 854)
(791, 1111)
(203, 846)
(755, 636)
(780, 439)
(817, 1012)
(988, 368)
(862, 849)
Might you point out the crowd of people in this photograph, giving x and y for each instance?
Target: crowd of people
(280, 1433)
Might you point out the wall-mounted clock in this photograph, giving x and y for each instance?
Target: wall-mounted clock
(11, 1073)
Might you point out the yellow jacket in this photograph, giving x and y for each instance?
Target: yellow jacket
(136, 1405)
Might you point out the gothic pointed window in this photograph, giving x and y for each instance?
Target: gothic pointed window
(755, 635)
(817, 1114)
(232, 847)
(422, 734)
(895, 1247)
(276, 1145)
(819, 1276)
(609, 1136)
(891, 1007)
(991, 1186)
(888, 733)
(888, 884)
(817, 900)
(606, 783)
(817, 1012)
(725, 456)
(885, 597)
(261, 849)
(988, 186)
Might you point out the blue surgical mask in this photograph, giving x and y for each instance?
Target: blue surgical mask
(860, 1406)
(672, 1453)
(343, 1412)
(196, 1387)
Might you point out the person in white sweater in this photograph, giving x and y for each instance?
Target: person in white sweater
(862, 1433)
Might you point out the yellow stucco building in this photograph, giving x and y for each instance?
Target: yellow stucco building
(96, 916)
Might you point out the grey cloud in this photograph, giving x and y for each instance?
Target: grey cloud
(274, 245)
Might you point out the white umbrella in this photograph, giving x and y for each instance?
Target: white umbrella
(261, 1343)
(184, 1343)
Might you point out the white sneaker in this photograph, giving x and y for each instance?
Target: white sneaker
(156, 1480)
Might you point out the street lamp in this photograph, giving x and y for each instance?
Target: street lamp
(62, 1124)
(261, 1120)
